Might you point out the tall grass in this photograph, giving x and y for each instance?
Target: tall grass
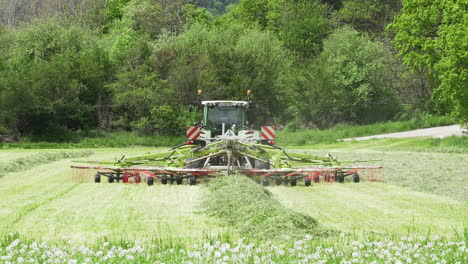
(248, 207)
(306, 137)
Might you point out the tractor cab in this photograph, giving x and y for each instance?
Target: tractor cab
(220, 116)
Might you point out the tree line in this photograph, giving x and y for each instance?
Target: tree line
(135, 65)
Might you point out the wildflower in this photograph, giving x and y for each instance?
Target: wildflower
(308, 237)
(342, 235)
(106, 244)
(72, 261)
(20, 260)
(226, 258)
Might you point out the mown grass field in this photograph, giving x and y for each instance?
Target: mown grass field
(424, 195)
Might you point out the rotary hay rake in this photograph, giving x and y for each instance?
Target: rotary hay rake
(229, 154)
(226, 142)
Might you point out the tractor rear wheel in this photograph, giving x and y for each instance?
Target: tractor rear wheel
(261, 165)
(110, 179)
(307, 182)
(150, 181)
(356, 178)
(97, 178)
(265, 181)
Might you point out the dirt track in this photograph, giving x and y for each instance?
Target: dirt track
(436, 132)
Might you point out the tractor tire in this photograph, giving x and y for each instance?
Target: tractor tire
(260, 165)
(307, 182)
(179, 180)
(110, 179)
(97, 178)
(265, 181)
(164, 180)
(293, 181)
(194, 165)
(150, 181)
(356, 178)
(193, 180)
(278, 181)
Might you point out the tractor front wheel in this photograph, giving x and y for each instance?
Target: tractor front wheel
(110, 179)
(97, 178)
(307, 182)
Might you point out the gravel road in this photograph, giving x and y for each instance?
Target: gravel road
(436, 132)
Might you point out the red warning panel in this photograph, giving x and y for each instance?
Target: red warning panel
(193, 133)
(268, 132)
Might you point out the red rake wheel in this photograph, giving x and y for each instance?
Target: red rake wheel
(137, 178)
(125, 178)
(316, 178)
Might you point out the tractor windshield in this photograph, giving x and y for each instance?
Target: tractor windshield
(229, 115)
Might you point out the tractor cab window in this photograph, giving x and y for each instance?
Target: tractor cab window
(229, 115)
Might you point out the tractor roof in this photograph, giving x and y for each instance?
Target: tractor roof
(225, 103)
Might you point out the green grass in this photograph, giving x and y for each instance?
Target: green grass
(423, 196)
(310, 137)
(376, 207)
(44, 203)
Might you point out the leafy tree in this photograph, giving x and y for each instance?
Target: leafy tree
(225, 63)
(369, 15)
(216, 6)
(432, 38)
(52, 77)
(348, 82)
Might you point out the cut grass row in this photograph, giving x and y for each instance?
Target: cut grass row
(29, 161)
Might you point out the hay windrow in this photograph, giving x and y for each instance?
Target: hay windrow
(252, 210)
(28, 162)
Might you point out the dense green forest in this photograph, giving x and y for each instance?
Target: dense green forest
(135, 65)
